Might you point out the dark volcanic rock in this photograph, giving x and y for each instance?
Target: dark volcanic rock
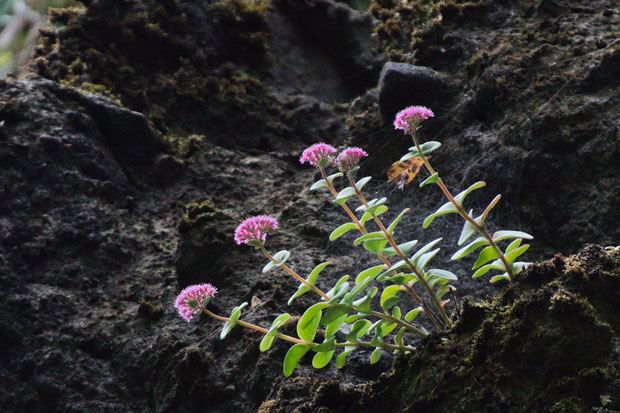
(100, 226)
(402, 85)
(546, 343)
(205, 238)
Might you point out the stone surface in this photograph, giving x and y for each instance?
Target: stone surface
(403, 84)
(151, 132)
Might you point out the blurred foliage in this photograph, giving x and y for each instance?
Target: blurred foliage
(19, 29)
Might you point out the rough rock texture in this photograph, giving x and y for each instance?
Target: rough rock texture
(536, 115)
(402, 85)
(548, 343)
(150, 128)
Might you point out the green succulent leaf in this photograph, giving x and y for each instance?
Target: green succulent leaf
(387, 328)
(495, 265)
(281, 257)
(359, 329)
(309, 322)
(401, 279)
(486, 255)
(446, 208)
(396, 313)
(516, 253)
(267, 340)
(334, 327)
(321, 182)
(411, 315)
(376, 211)
(360, 184)
(461, 196)
(265, 343)
(468, 230)
(395, 267)
(368, 274)
(293, 355)
(363, 304)
(469, 248)
(500, 277)
(389, 292)
(303, 288)
(344, 195)
(404, 247)
(321, 360)
(328, 345)
(421, 262)
(443, 274)
(234, 316)
(341, 285)
(426, 147)
(334, 313)
(424, 250)
(375, 356)
(394, 223)
(443, 290)
(488, 209)
(370, 236)
(514, 245)
(342, 357)
(375, 246)
(373, 205)
(430, 180)
(398, 338)
(502, 235)
(341, 230)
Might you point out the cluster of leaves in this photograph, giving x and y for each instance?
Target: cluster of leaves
(347, 312)
(503, 261)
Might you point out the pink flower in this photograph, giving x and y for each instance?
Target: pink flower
(254, 229)
(316, 153)
(413, 114)
(349, 158)
(192, 298)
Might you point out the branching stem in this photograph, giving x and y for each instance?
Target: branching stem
(480, 228)
(390, 240)
(325, 297)
(299, 341)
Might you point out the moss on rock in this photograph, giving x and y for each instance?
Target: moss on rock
(547, 343)
(190, 68)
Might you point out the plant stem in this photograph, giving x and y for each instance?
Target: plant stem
(325, 297)
(480, 228)
(417, 331)
(294, 274)
(253, 327)
(360, 226)
(390, 240)
(299, 341)
(383, 258)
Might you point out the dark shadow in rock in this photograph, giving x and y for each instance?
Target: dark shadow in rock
(205, 238)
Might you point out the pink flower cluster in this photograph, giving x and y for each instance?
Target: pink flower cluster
(316, 153)
(414, 114)
(254, 229)
(349, 158)
(191, 299)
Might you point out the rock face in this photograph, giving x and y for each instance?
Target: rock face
(149, 129)
(535, 113)
(402, 85)
(546, 343)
